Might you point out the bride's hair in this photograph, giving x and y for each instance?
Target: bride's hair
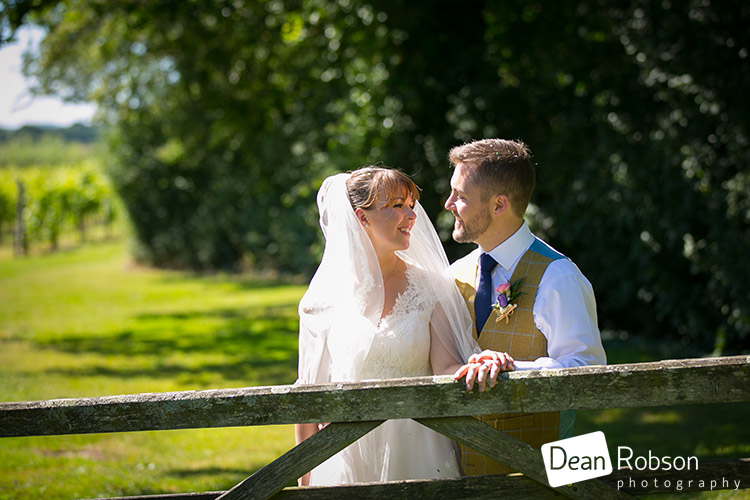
(364, 185)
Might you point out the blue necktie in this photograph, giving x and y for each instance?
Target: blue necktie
(483, 299)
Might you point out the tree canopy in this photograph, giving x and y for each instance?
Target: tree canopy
(225, 116)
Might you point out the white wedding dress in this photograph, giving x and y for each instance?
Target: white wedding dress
(397, 449)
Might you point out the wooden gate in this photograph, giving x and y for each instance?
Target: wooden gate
(437, 402)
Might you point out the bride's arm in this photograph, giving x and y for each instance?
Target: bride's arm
(482, 368)
(451, 341)
(302, 432)
(443, 362)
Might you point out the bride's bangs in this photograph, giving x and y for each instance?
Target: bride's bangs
(396, 184)
(369, 184)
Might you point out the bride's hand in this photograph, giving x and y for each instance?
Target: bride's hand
(483, 366)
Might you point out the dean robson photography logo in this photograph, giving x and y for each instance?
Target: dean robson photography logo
(587, 457)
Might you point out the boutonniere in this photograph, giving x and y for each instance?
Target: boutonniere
(507, 294)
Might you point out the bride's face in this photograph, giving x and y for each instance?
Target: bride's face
(390, 222)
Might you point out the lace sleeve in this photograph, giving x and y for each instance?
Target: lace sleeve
(449, 317)
(439, 298)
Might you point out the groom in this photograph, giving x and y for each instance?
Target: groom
(554, 324)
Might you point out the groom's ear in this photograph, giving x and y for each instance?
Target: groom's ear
(500, 204)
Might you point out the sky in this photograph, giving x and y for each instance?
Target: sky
(17, 106)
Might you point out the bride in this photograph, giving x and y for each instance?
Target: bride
(382, 304)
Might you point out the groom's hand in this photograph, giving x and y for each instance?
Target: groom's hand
(484, 367)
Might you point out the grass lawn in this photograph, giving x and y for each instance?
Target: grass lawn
(84, 322)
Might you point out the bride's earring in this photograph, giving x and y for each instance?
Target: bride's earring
(367, 224)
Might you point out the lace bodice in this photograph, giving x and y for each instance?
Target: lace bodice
(401, 347)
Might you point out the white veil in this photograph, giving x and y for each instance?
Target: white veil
(341, 309)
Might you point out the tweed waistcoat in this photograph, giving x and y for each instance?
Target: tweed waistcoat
(520, 338)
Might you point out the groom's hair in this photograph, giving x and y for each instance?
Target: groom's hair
(499, 166)
(365, 184)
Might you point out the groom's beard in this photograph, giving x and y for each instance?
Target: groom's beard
(469, 230)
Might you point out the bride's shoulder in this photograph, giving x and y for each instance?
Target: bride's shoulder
(426, 282)
(417, 273)
(421, 289)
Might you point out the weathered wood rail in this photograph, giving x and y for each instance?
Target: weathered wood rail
(437, 402)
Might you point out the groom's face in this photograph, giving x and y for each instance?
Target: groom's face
(466, 203)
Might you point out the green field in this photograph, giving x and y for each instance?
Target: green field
(87, 322)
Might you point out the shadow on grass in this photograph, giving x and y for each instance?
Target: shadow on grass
(716, 431)
(223, 331)
(212, 472)
(196, 347)
(242, 281)
(251, 371)
(230, 477)
(625, 348)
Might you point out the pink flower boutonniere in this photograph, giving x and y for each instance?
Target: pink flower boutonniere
(507, 294)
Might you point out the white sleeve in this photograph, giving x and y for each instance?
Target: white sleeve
(565, 312)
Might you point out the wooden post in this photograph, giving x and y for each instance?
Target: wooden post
(82, 229)
(20, 244)
(308, 454)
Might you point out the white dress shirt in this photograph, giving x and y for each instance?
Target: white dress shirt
(564, 308)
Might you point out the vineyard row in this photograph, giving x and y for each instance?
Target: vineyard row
(38, 203)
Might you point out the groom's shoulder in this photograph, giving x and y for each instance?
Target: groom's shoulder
(560, 265)
(545, 249)
(465, 267)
